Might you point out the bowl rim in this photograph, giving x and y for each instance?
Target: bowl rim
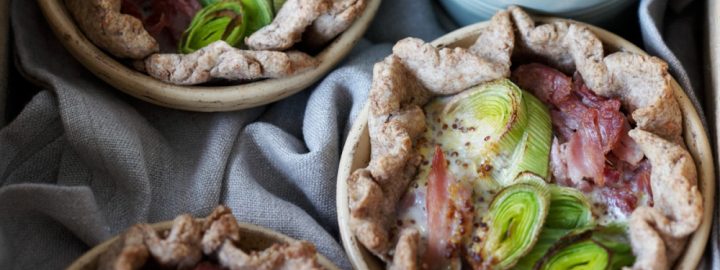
(197, 98)
(694, 134)
(90, 257)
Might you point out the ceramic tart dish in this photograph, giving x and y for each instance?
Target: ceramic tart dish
(524, 143)
(215, 242)
(209, 55)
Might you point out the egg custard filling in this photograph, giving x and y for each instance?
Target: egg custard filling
(484, 186)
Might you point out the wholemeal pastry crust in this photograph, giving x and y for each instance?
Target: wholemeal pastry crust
(122, 35)
(189, 240)
(222, 61)
(416, 72)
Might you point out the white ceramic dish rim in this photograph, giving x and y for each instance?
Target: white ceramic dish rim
(698, 146)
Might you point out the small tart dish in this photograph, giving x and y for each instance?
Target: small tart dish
(215, 242)
(295, 46)
(525, 144)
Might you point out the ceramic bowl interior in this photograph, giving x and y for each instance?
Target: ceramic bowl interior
(356, 154)
(202, 97)
(253, 238)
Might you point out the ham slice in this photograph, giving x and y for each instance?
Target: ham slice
(548, 84)
(588, 127)
(627, 149)
(165, 20)
(449, 209)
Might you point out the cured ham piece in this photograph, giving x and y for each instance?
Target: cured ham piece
(165, 20)
(627, 150)
(548, 84)
(589, 126)
(449, 211)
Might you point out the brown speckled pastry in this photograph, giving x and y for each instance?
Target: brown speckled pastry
(288, 26)
(341, 15)
(220, 60)
(192, 242)
(121, 35)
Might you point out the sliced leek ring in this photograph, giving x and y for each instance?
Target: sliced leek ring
(495, 108)
(516, 126)
(516, 217)
(582, 255)
(259, 12)
(532, 152)
(569, 214)
(569, 210)
(217, 21)
(615, 241)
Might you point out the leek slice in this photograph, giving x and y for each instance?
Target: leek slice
(569, 214)
(569, 209)
(259, 12)
(603, 250)
(583, 255)
(218, 21)
(532, 153)
(516, 126)
(516, 218)
(614, 240)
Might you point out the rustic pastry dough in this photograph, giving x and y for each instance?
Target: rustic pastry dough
(341, 15)
(417, 71)
(287, 27)
(129, 252)
(121, 35)
(297, 255)
(222, 61)
(567, 46)
(678, 203)
(189, 240)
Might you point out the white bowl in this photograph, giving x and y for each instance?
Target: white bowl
(466, 12)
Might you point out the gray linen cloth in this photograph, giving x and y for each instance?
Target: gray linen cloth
(83, 161)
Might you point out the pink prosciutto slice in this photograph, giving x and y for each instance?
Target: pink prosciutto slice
(592, 149)
(449, 210)
(589, 126)
(165, 20)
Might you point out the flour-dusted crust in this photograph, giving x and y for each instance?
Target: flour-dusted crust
(219, 227)
(396, 121)
(451, 70)
(678, 203)
(288, 26)
(181, 248)
(121, 35)
(563, 44)
(189, 240)
(417, 71)
(315, 21)
(406, 253)
(298, 255)
(341, 15)
(222, 61)
(128, 252)
(643, 85)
